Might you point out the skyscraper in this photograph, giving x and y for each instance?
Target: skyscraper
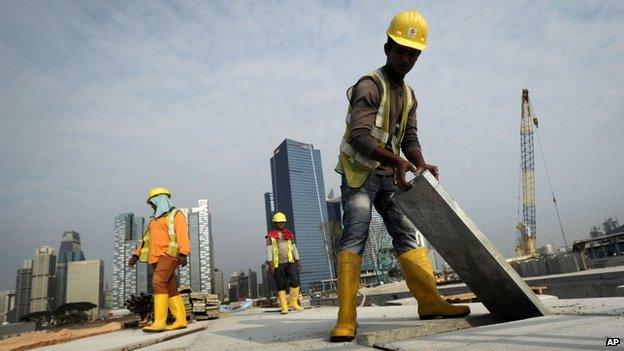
(127, 281)
(85, 281)
(233, 287)
(299, 192)
(43, 269)
(269, 209)
(143, 270)
(7, 304)
(23, 285)
(219, 284)
(199, 273)
(334, 208)
(253, 284)
(268, 282)
(70, 251)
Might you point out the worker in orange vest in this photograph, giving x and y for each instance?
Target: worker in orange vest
(165, 246)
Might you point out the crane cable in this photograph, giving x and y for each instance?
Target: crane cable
(552, 192)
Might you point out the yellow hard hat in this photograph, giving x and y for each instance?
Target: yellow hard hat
(409, 28)
(159, 190)
(279, 217)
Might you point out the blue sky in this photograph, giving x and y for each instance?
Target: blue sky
(100, 101)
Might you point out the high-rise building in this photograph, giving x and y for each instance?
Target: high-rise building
(253, 284)
(269, 209)
(334, 208)
(7, 304)
(268, 282)
(70, 251)
(299, 192)
(23, 285)
(43, 269)
(128, 281)
(143, 270)
(243, 285)
(234, 288)
(85, 282)
(219, 284)
(199, 273)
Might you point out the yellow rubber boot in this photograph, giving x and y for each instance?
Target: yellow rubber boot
(281, 296)
(293, 297)
(349, 265)
(160, 314)
(176, 305)
(421, 283)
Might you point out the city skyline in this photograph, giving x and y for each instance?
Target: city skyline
(100, 102)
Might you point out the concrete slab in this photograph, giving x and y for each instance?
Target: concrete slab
(412, 301)
(123, 340)
(309, 330)
(467, 250)
(543, 333)
(392, 327)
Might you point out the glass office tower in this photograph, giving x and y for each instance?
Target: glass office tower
(299, 192)
(70, 251)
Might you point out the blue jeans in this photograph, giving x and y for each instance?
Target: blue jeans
(357, 205)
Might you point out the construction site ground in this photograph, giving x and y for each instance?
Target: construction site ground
(575, 324)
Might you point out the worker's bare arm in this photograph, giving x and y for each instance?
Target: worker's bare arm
(415, 156)
(401, 165)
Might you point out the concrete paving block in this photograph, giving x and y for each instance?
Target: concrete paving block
(467, 250)
(124, 340)
(423, 328)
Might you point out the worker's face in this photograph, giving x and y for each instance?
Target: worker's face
(280, 225)
(400, 59)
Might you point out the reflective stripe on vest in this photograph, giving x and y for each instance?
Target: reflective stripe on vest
(275, 248)
(357, 167)
(172, 249)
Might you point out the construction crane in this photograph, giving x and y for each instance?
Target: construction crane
(527, 227)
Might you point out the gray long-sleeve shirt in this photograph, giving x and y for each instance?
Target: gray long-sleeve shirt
(365, 99)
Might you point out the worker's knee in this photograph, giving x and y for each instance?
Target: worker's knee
(160, 286)
(172, 289)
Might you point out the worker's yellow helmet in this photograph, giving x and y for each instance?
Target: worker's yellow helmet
(409, 28)
(159, 190)
(279, 217)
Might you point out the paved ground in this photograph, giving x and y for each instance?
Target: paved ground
(581, 324)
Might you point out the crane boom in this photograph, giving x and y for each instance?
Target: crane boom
(527, 227)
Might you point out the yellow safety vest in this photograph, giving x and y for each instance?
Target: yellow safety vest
(172, 250)
(275, 248)
(356, 167)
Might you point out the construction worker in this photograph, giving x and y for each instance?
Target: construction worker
(283, 262)
(381, 121)
(165, 246)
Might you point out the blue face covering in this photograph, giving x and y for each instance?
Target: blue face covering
(163, 205)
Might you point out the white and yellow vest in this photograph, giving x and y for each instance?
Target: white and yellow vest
(356, 167)
(172, 250)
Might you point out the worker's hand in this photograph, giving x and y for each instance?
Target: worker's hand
(401, 168)
(298, 263)
(182, 261)
(271, 269)
(431, 168)
(133, 260)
